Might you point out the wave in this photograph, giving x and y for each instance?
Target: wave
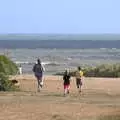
(23, 62)
(43, 63)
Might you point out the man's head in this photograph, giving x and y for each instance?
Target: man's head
(66, 71)
(79, 68)
(38, 61)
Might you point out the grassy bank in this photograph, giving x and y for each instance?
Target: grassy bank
(104, 70)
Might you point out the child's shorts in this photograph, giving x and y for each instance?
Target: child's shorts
(78, 82)
(67, 86)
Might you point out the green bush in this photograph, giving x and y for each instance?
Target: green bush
(112, 70)
(104, 70)
(7, 67)
(6, 84)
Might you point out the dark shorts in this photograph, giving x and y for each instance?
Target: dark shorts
(38, 75)
(78, 82)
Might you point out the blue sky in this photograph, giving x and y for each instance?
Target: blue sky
(59, 16)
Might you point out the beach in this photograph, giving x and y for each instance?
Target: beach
(100, 97)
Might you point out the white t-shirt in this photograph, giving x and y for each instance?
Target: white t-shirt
(43, 67)
(20, 70)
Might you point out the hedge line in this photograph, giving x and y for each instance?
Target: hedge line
(104, 70)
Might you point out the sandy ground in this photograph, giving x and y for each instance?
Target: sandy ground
(100, 96)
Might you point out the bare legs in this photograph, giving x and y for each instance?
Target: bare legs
(39, 80)
(79, 85)
(66, 89)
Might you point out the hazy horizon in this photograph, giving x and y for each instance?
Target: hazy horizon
(59, 36)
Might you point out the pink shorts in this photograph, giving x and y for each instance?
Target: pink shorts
(66, 86)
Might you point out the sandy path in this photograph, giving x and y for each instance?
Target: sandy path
(101, 96)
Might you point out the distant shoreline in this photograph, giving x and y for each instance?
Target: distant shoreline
(102, 36)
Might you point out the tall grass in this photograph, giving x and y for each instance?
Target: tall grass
(104, 70)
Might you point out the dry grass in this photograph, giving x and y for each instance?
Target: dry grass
(100, 97)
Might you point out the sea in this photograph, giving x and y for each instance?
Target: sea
(58, 55)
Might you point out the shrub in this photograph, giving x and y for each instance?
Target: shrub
(104, 70)
(7, 67)
(6, 84)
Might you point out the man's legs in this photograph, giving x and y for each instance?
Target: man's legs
(40, 84)
(41, 81)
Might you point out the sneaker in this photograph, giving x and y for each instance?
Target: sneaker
(68, 92)
(64, 95)
(41, 86)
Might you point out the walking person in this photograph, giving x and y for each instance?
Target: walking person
(20, 70)
(66, 79)
(79, 78)
(38, 70)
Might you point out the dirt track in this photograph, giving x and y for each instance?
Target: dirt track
(100, 96)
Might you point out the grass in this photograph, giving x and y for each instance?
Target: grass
(7, 67)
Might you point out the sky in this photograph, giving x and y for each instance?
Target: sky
(59, 16)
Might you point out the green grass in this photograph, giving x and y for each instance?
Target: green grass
(7, 67)
(104, 70)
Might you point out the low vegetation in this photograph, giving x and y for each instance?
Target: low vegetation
(7, 67)
(104, 70)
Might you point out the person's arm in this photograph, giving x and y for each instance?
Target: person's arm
(63, 77)
(43, 68)
(70, 77)
(34, 68)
